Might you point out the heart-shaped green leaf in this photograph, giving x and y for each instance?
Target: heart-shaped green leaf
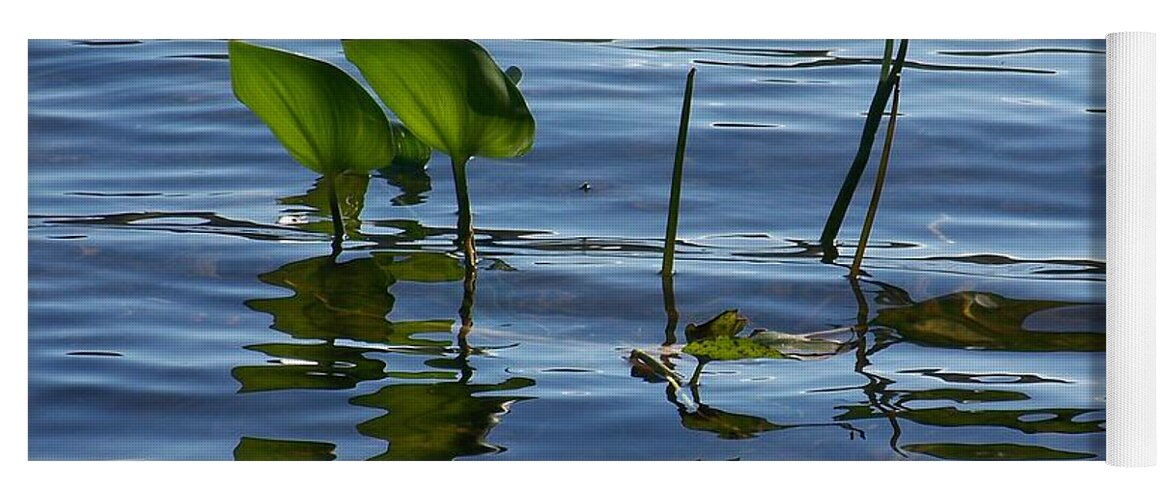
(450, 93)
(325, 119)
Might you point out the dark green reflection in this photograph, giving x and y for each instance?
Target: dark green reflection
(1030, 421)
(351, 194)
(727, 425)
(414, 182)
(339, 312)
(308, 366)
(997, 451)
(251, 448)
(437, 421)
(348, 300)
(985, 321)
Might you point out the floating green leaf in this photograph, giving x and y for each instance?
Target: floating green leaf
(726, 324)
(729, 349)
(995, 451)
(450, 93)
(325, 119)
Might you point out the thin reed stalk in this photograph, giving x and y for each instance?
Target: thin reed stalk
(879, 180)
(833, 223)
(677, 179)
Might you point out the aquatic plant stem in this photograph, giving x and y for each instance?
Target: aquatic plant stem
(833, 223)
(672, 311)
(879, 180)
(886, 53)
(677, 179)
(465, 316)
(467, 241)
(466, 238)
(335, 211)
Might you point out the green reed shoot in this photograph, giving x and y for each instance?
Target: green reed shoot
(886, 83)
(677, 179)
(879, 180)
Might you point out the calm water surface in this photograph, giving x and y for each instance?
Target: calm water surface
(183, 305)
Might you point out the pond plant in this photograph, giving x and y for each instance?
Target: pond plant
(450, 95)
(454, 98)
(886, 84)
(677, 179)
(669, 239)
(879, 181)
(324, 118)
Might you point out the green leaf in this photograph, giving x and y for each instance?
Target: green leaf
(450, 93)
(412, 152)
(325, 119)
(726, 324)
(728, 349)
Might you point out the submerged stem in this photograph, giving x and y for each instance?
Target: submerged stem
(465, 318)
(466, 239)
(879, 180)
(335, 211)
(677, 179)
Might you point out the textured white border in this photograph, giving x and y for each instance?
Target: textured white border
(1130, 249)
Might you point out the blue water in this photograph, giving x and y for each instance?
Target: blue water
(181, 305)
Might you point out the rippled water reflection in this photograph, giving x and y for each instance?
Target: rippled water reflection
(183, 302)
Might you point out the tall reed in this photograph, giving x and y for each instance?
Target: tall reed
(833, 223)
(879, 180)
(677, 179)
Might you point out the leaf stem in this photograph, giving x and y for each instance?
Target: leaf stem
(335, 211)
(879, 180)
(677, 179)
(672, 311)
(466, 238)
